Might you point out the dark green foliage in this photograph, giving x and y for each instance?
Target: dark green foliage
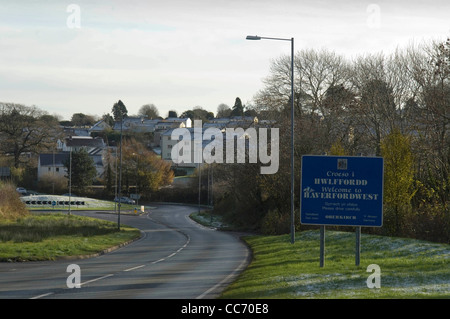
(83, 170)
(119, 111)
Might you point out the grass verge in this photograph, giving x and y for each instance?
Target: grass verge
(281, 270)
(54, 236)
(209, 219)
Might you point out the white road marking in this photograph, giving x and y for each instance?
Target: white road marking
(42, 296)
(134, 268)
(237, 269)
(96, 279)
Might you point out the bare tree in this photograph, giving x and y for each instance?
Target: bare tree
(26, 129)
(320, 76)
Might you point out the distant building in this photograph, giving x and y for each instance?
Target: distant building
(167, 143)
(143, 125)
(54, 163)
(99, 126)
(75, 143)
(5, 173)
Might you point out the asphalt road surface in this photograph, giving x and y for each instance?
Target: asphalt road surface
(175, 259)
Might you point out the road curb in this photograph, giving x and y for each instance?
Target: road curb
(104, 251)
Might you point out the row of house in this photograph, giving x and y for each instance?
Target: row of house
(77, 138)
(169, 140)
(53, 163)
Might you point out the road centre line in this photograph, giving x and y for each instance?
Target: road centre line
(42, 296)
(158, 261)
(96, 279)
(134, 268)
(81, 284)
(188, 239)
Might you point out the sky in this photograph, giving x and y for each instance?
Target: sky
(80, 56)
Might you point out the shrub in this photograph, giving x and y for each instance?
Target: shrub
(275, 223)
(398, 180)
(53, 184)
(11, 207)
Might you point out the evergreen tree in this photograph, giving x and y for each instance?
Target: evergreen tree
(238, 108)
(172, 113)
(83, 170)
(119, 111)
(109, 179)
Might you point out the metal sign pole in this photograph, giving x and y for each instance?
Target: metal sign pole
(358, 245)
(322, 245)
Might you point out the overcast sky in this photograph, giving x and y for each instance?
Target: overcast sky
(75, 56)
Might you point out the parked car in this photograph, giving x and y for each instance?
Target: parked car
(125, 200)
(21, 190)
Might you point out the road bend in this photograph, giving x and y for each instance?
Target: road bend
(174, 259)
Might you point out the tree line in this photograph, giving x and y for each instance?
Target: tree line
(392, 105)
(27, 131)
(396, 106)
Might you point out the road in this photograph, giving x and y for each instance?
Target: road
(175, 259)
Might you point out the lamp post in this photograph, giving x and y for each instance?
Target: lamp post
(70, 179)
(255, 37)
(120, 168)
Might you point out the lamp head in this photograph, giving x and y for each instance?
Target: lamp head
(253, 37)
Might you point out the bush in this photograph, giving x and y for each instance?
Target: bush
(398, 180)
(275, 223)
(431, 222)
(11, 207)
(52, 184)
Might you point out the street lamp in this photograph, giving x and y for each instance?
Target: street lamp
(120, 168)
(70, 179)
(255, 37)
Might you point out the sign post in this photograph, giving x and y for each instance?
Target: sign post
(358, 245)
(342, 191)
(322, 246)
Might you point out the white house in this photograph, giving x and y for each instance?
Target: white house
(54, 163)
(99, 126)
(75, 143)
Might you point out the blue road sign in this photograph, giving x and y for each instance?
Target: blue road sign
(342, 190)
